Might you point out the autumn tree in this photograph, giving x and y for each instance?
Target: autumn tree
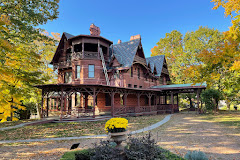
(21, 64)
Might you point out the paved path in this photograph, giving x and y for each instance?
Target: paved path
(167, 118)
(47, 120)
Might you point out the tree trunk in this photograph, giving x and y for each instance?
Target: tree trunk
(228, 105)
(190, 100)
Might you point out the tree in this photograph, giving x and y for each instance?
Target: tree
(220, 69)
(211, 98)
(20, 57)
(181, 52)
(232, 8)
(172, 47)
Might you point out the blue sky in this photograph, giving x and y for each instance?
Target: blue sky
(152, 19)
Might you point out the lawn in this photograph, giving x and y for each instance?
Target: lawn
(14, 123)
(71, 129)
(227, 118)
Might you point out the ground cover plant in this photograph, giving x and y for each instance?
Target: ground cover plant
(137, 148)
(71, 129)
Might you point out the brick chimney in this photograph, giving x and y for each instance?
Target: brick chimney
(135, 37)
(119, 41)
(94, 30)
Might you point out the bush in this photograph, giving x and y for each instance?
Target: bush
(143, 148)
(195, 155)
(106, 151)
(84, 154)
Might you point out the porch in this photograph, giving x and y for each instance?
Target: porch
(68, 101)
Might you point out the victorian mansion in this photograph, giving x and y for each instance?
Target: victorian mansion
(97, 77)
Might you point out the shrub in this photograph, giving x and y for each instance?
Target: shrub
(84, 154)
(106, 151)
(195, 155)
(143, 148)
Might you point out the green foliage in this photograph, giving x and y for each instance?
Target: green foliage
(181, 51)
(211, 98)
(21, 59)
(195, 155)
(105, 151)
(142, 148)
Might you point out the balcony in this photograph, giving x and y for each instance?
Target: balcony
(84, 55)
(61, 65)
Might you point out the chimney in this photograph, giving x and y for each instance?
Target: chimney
(119, 41)
(135, 37)
(94, 30)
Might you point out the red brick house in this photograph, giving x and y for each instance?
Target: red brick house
(97, 77)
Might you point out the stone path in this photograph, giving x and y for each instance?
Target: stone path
(167, 118)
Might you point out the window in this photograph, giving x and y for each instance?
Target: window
(107, 99)
(138, 73)
(140, 86)
(91, 71)
(67, 77)
(77, 71)
(135, 86)
(131, 71)
(129, 85)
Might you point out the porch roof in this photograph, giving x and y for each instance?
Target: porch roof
(181, 86)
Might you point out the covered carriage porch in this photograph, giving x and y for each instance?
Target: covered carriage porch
(77, 101)
(69, 101)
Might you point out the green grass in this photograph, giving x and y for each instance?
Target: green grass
(72, 129)
(227, 118)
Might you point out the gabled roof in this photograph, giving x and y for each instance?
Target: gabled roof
(156, 61)
(68, 35)
(125, 52)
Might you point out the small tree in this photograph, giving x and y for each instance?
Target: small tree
(211, 98)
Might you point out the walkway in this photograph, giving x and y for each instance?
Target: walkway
(167, 118)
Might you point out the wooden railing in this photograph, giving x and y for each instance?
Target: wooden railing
(145, 109)
(90, 55)
(64, 64)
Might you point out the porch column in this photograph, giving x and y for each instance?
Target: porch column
(56, 103)
(138, 103)
(94, 101)
(47, 105)
(61, 104)
(125, 102)
(41, 115)
(177, 102)
(98, 49)
(82, 48)
(112, 103)
(198, 95)
(149, 102)
(172, 101)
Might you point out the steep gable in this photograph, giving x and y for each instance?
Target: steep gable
(125, 52)
(156, 61)
(56, 56)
